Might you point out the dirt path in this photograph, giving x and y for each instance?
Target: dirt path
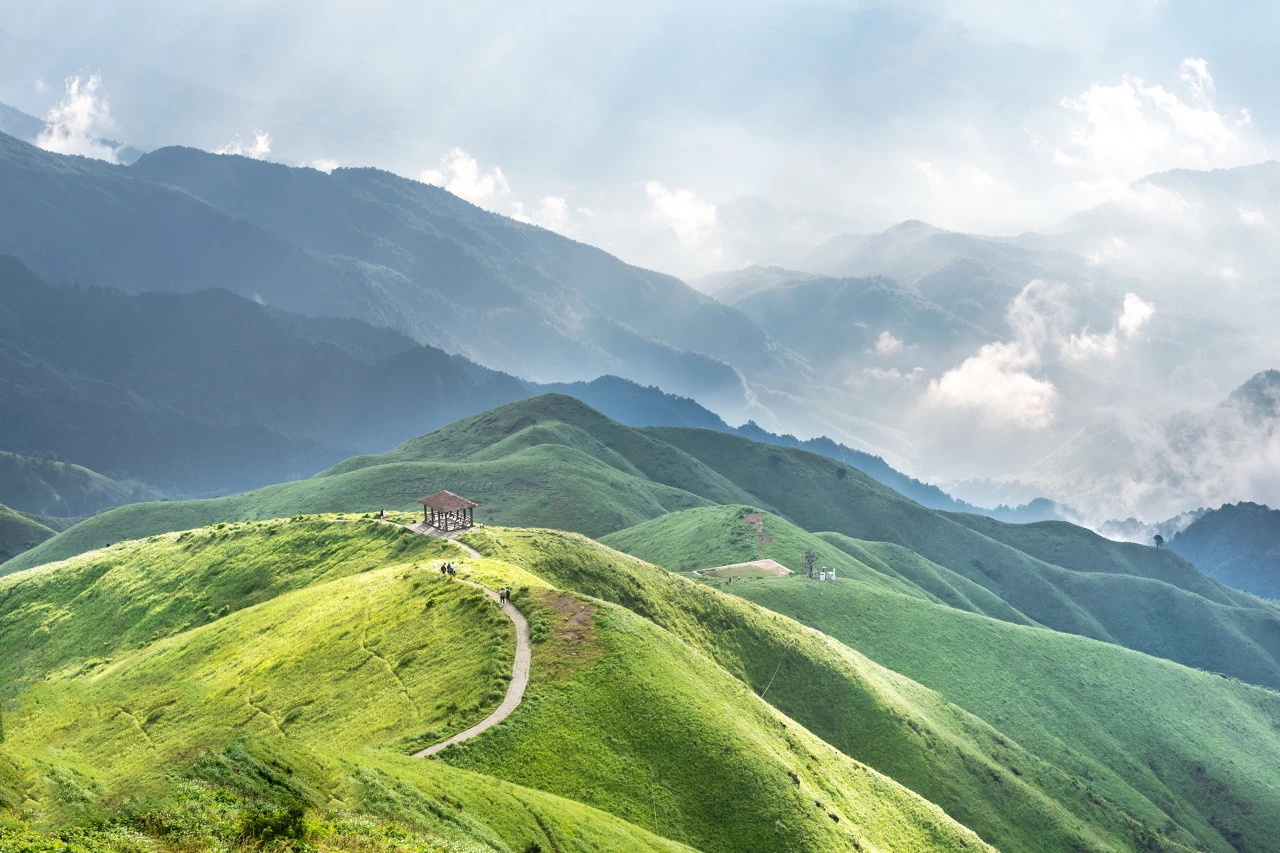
(519, 669)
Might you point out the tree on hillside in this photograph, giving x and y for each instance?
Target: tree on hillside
(1159, 540)
(810, 557)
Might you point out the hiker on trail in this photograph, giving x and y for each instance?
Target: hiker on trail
(452, 570)
(382, 515)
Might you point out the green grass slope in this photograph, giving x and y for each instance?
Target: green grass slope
(1145, 605)
(1171, 744)
(552, 461)
(549, 484)
(979, 775)
(1144, 731)
(712, 536)
(20, 532)
(276, 668)
(237, 675)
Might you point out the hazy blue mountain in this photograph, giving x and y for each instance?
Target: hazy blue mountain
(836, 323)
(501, 292)
(49, 487)
(205, 392)
(1237, 544)
(969, 276)
(208, 391)
(366, 244)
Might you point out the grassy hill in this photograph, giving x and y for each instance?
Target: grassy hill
(1071, 581)
(20, 533)
(552, 461)
(256, 681)
(1160, 740)
(61, 489)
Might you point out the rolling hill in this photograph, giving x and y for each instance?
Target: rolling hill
(251, 682)
(551, 461)
(1147, 734)
(19, 533)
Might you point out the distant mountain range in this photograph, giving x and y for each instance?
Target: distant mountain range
(366, 244)
(202, 393)
(1238, 544)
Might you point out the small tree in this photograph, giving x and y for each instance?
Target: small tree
(810, 557)
(1159, 541)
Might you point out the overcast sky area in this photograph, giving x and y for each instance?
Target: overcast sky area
(637, 126)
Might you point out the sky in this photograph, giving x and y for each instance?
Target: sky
(683, 136)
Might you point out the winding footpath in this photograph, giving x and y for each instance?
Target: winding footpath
(519, 669)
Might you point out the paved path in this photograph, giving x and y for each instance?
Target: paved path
(427, 530)
(519, 669)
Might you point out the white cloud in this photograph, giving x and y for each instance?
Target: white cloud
(1129, 129)
(888, 344)
(893, 374)
(257, 149)
(1195, 73)
(460, 174)
(1002, 384)
(76, 123)
(324, 164)
(551, 213)
(1134, 314)
(997, 386)
(691, 218)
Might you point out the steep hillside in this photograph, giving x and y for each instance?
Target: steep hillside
(174, 383)
(367, 244)
(1237, 544)
(286, 667)
(1147, 734)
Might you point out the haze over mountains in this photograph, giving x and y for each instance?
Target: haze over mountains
(955, 336)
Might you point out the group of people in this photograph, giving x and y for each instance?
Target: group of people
(504, 595)
(448, 569)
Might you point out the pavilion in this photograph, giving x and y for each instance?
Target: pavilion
(446, 511)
